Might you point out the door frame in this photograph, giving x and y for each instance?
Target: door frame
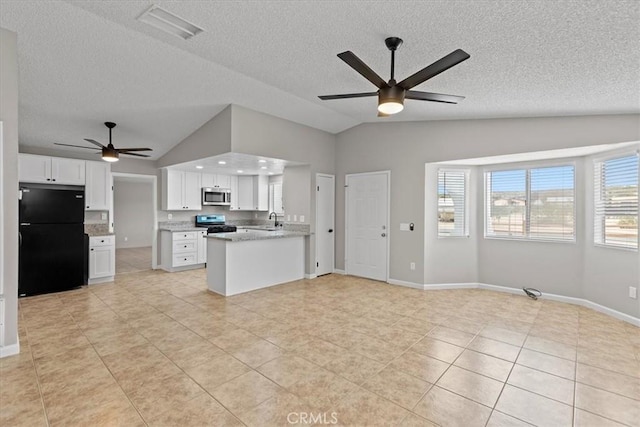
(153, 179)
(387, 173)
(333, 259)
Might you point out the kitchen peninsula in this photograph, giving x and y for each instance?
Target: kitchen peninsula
(253, 259)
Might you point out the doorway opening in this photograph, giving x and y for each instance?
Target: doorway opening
(135, 222)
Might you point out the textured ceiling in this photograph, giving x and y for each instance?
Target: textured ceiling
(85, 62)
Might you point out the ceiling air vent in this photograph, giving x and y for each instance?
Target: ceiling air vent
(169, 23)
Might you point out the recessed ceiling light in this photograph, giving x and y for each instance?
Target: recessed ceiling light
(199, 167)
(169, 23)
(222, 162)
(262, 161)
(263, 167)
(240, 171)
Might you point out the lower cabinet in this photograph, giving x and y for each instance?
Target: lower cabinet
(182, 250)
(102, 259)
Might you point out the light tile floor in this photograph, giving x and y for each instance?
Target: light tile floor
(156, 348)
(132, 260)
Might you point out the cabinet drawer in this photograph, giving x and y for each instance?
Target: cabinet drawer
(185, 259)
(185, 246)
(184, 235)
(96, 241)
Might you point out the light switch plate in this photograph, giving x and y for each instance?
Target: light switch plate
(169, 216)
(633, 292)
(103, 215)
(301, 218)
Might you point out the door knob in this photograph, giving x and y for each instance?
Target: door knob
(384, 234)
(331, 230)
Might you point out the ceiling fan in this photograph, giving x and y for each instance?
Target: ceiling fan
(391, 95)
(109, 152)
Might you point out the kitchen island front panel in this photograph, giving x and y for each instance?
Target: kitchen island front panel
(238, 266)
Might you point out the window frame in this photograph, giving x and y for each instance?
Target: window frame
(467, 178)
(527, 167)
(611, 155)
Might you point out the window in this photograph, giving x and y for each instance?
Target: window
(534, 204)
(616, 202)
(452, 203)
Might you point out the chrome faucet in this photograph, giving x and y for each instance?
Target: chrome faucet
(275, 215)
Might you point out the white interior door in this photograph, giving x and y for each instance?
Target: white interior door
(325, 208)
(367, 225)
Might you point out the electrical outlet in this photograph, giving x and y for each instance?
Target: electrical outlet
(126, 238)
(288, 217)
(255, 215)
(301, 218)
(169, 216)
(633, 292)
(295, 218)
(412, 266)
(103, 216)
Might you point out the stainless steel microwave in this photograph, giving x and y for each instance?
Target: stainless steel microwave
(216, 196)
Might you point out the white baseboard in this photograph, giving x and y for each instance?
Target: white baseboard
(443, 286)
(310, 276)
(336, 271)
(9, 350)
(404, 283)
(553, 297)
(101, 280)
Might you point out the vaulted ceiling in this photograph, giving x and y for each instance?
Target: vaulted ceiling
(86, 62)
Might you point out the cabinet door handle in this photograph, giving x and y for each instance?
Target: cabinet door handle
(91, 248)
(53, 179)
(48, 179)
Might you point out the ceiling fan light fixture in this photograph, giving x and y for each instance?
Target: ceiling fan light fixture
(391, 100)
(110, 155)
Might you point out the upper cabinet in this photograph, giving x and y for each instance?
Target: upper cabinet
(51, 170)
(212, 180)
(253, 193)
(181, 190)
(233, 185)
(98, 186)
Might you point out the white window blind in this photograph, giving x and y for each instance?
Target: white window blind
(535, 204)
(552, 204)
(616, 202)
(452, 203)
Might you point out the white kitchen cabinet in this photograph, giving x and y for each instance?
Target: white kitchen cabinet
(253, 193)
(51, 170)
(98, 187)
(261, 192)
(202, 246)
(182, 250)
(245, 193)
(212, 180)
(181, 190)
(102, 259)
(233, 185)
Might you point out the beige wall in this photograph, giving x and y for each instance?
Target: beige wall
(211, 139)
(9, 180)
(404, 148)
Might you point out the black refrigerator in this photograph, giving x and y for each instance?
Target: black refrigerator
(52, 243)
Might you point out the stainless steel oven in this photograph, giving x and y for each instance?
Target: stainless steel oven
(216, 196)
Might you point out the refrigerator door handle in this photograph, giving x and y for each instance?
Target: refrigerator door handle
(19, 238)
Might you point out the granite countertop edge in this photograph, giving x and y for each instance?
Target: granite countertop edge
(179, 228)
(99, 234)
(245, 237)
